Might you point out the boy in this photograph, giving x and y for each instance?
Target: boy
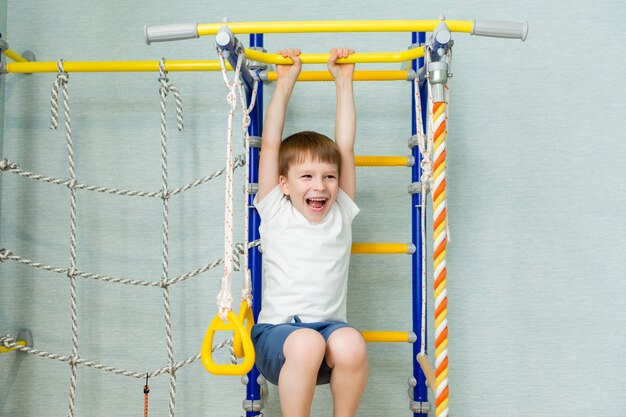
(306, 189)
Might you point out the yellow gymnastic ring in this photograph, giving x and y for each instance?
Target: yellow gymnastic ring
(206, 353)
(247, 319)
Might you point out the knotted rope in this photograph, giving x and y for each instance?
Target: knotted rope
(165, 88)
(235, 87)
(61, 82)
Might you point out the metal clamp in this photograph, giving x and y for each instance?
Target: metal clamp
(257, 65)
(252, 188)
(252, 405)
(416, 188)
(254, 141)
(230, 48)
(419, 407)
(407, 64)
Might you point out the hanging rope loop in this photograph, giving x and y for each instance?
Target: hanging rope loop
(225, 298)
(235, 88)
(226, 319)
(165, 89)
(60, 83)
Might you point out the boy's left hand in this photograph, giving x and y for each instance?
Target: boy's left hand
(340, 71)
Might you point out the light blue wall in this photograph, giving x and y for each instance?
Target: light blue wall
(536, 191)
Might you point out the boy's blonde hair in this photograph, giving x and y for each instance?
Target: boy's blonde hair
(297, 147)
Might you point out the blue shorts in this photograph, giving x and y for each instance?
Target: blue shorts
(269, 339)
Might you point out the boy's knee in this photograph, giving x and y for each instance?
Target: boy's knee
(346, 347)
(305, 345)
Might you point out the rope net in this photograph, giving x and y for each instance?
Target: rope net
(231, 259)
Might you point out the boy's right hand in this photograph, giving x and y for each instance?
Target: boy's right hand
(289, 72)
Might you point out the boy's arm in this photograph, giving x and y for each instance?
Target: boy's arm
(275, 122)
(345, 118)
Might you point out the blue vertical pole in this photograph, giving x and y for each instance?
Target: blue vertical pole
(253, 391)
(420, 392)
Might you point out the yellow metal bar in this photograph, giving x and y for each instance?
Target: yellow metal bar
(382, 248)
(5, 350)
(14, 55)
(114, 66)
(380, 336)
(364, 57)
(382, 161)
(359, 75)
(335, 26)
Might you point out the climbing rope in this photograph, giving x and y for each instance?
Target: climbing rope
(432, 147)
(439, 257)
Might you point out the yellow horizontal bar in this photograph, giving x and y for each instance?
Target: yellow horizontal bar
(363, 57)
(335, 26)
(14, 55)
(382, 161)
(359, 75)
(382, 248)
(114, 66)
(380, 336)
(5, 350)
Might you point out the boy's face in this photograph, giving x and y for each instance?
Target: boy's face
(312, 187)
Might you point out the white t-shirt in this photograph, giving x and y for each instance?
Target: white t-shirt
(305, 264)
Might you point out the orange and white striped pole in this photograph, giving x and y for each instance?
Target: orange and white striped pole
(438, 76)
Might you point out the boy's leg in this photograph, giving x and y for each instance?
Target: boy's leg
(304, 352)
(346, 354)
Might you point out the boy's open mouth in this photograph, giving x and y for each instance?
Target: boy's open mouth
(316, 203)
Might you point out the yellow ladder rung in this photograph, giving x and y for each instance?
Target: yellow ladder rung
(383, 161)
(383, 248)
(114, 66)
(14, 55)
(363, 75)
(382, 336)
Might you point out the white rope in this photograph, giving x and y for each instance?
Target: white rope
(448, 58)
(7, 254)
(426, 169)
(9, 342)
(246, 292)
(224, 298)
(61, 82)
(14, 168)
(164, 89)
